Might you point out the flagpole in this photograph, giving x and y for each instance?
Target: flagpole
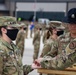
(34, 11)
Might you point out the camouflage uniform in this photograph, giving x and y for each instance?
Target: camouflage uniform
(36, 43)
(20, 40)
(64, 40)
(26, 31)
(62, 60)
(50, 47)
(26, 28)
(67, 57)
(45, 36)
(10, 54)
(10, 60)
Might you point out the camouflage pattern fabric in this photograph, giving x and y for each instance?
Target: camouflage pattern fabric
(45, 36)
(20, 40)
(36, 43)
(50, 48)
(10, 60)
(10, 54)
(64, 40)
(8, 21)
(62, 60)
(27, 69)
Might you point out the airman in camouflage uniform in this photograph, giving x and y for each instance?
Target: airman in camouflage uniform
(20, 39)
(68, 57)
(10, 54)
(52, 44)
(36, 42)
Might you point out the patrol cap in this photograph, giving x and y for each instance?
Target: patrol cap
(57, 24)
(2, 19)
(71, 16)
(8, 21)
(21, 24)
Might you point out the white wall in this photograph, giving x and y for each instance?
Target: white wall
(60, 7)
(71, 5)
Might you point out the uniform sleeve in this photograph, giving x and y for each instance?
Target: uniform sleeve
(1, 61)
(27, 69)
(54, 49)
(45, 49)
(62, 60)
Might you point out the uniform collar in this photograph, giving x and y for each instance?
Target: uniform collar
(7, 44)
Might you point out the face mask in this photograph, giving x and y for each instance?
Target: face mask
(25, 28)
(40, 29)
(60, 32)
(12, 33)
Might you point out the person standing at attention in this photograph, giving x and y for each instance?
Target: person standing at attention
(10, 54)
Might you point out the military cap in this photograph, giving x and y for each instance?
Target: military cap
(21, 24)
(8, 21)
(56, 24)
(71, 16)
(2, 21)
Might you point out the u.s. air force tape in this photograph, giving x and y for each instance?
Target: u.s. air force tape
(72, 45)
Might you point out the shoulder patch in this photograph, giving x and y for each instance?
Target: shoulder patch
(72, 45)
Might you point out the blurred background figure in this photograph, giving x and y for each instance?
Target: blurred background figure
(31, 28)
(20, 39)
(36, 41)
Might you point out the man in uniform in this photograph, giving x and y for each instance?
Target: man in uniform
(20, 39)
(66, 58)
(10, 55)
(36, 42)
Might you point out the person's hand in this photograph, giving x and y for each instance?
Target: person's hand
(36, 63)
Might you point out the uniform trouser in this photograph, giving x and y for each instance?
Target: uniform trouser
(36, 51)
(21, 47)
